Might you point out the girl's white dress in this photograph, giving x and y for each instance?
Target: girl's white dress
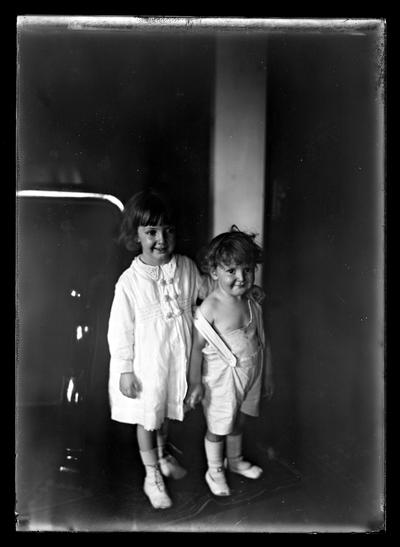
(150, 334)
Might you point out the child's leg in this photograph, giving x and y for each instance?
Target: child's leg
(154, 486)
(169, 465)
(215, 476)
(162, 436)
(234, 452)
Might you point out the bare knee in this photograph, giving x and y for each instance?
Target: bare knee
(146, 439)
(214, 438)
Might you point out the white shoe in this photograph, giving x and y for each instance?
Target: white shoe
(154, 488)
(170, 467)
(217, 482)
(246, 469)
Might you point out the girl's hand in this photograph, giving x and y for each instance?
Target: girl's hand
(269, 387)
(195, 395)
(129, 385)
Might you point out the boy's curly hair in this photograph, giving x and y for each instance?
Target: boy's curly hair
(145, 208)
(235, 247)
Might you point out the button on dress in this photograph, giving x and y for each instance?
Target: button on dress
(150, 334)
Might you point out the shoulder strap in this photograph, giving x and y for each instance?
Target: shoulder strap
(207, 331)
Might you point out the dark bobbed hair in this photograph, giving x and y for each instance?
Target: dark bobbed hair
(145, 208)
(230, 247)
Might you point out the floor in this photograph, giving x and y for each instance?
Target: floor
(106, 494)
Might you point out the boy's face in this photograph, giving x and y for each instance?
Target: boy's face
(234, 279)
(158, 243)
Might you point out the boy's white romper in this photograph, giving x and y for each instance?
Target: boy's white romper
(232, 370)
(150, 333)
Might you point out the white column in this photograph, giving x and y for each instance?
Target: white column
(238, 154)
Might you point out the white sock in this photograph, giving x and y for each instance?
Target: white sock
(162, 435)
(161, 444)
(214, 454)
(149, 458)
(235, 458)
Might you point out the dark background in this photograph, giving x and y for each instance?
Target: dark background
(325, 265)
(115, 112)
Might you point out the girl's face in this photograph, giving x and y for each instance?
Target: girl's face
(158, 243)
(234, 279)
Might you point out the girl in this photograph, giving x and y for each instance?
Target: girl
(149, 336)
(227, 365)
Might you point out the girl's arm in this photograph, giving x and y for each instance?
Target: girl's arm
(204, 285)
(120, 337)
(195, 389)
(129, 385)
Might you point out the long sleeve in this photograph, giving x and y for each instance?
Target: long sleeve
(121, 331)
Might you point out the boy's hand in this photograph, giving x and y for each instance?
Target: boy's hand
(129, 385)
(195, 395)
(257, 294)
(269, 387)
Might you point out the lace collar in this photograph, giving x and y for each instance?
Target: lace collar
(157, 273)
